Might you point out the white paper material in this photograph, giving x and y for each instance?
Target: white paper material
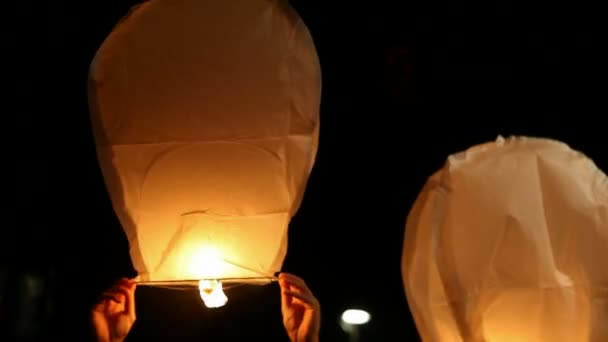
(508, 242)
(206, 118)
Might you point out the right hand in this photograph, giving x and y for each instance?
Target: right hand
(301, 310)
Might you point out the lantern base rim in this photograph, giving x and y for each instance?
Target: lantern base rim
(193, 283)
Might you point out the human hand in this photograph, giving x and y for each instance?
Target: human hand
(114, 315)
(301, 310)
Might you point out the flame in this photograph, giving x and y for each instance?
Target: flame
(206, 263)
(212, 293)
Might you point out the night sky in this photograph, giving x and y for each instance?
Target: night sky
(403, 87)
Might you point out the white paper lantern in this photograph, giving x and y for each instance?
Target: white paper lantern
(508, 242)
(206, 118)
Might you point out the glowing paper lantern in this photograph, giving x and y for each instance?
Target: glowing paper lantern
(508, 243)
(206, 115)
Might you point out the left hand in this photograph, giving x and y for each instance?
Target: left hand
(301, 310)
(114, 315)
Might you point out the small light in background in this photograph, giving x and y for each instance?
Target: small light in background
(355, 317)
(351, 320)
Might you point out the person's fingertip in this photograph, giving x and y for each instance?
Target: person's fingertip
(122, 289)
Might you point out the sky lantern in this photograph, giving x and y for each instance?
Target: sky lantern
(508, 242)
(206, 119)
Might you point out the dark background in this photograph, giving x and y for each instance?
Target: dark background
(404, 85)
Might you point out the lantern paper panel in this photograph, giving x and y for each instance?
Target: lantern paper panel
(508, 242)
(206, 119)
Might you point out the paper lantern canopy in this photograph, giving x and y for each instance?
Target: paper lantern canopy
(206, 119)
(508, 242)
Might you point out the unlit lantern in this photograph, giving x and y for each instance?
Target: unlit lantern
(206, 118)
(509, 243)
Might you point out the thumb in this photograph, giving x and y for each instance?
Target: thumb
(285, 297)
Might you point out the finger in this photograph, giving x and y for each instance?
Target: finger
(115, 296)
(100, 307)
(123, 290)
(124, 281)
(296, 281)
(127, 291)
(114, 308)
(286, 299)
(130, 301)
(307, 302)
(116, 301)
(305, 299)
(293, 279)
(121, 286)
(284, 284)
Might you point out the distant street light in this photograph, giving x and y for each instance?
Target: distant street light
(355, 317)
(350, 321)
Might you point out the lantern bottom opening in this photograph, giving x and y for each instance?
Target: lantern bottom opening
(193, 283)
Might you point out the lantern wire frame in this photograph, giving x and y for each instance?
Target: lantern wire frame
(228, 283)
